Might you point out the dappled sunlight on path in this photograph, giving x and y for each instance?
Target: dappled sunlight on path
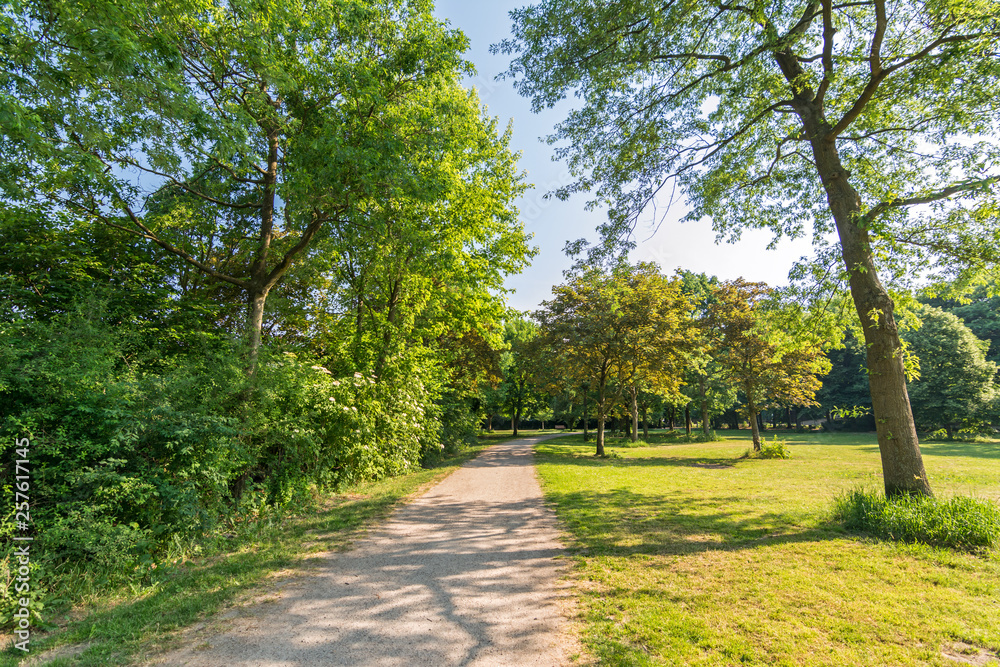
(464, 575)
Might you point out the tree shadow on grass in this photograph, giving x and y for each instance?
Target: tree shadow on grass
(624, 523)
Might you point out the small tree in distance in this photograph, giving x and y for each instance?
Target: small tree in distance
(764, 362)
(613, 330)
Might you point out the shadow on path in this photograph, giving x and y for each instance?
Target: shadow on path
(464, 575)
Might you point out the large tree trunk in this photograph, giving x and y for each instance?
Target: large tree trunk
(902, 464)
(687, 418)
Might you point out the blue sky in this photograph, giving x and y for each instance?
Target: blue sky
(690, 246)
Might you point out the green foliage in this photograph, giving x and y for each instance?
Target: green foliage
(169, 166)
(775, 449)
(771, 360)
(979, 310)
(124, 460)
(616, 332)
(847, 382)
(726, 100)
(955, 386)
(964, 523)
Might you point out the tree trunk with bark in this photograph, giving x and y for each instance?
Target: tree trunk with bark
(601, 416)
(755, 432)
(635, 414)
(902, 463)
(517, 412)
(705, 426)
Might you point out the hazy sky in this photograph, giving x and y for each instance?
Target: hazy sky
(689, 246)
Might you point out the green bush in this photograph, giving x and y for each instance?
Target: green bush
(776, 449)
(962, 523)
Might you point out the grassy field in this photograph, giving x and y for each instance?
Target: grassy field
(688, 555)
(134, 622)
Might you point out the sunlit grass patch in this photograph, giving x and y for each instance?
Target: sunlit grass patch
(687, 554)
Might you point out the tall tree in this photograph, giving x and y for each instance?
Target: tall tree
(519, 394)
(707, 384)
(657, 336)
(267, 121)
(772, 113)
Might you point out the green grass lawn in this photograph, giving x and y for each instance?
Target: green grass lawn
(134, 622)
(688, 555)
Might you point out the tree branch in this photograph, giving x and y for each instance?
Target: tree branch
(945, 193)
(147, 233)
(828, 34)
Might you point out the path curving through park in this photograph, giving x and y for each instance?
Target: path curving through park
(466, 574)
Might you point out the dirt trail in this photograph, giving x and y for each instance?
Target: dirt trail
(466, 574)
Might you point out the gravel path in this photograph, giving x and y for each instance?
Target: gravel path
(466, 574)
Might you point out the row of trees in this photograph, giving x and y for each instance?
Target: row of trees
(631, 342)
(632, 335)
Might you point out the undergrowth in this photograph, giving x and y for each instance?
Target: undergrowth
(776, 449)
(962, 523)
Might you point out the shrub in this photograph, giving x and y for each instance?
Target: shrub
(962, 523)
(776, 449)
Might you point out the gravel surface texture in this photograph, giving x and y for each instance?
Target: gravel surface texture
(466, 574)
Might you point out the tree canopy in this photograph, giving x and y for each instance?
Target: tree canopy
(236, 136)
(617, 331)
(955, 385)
